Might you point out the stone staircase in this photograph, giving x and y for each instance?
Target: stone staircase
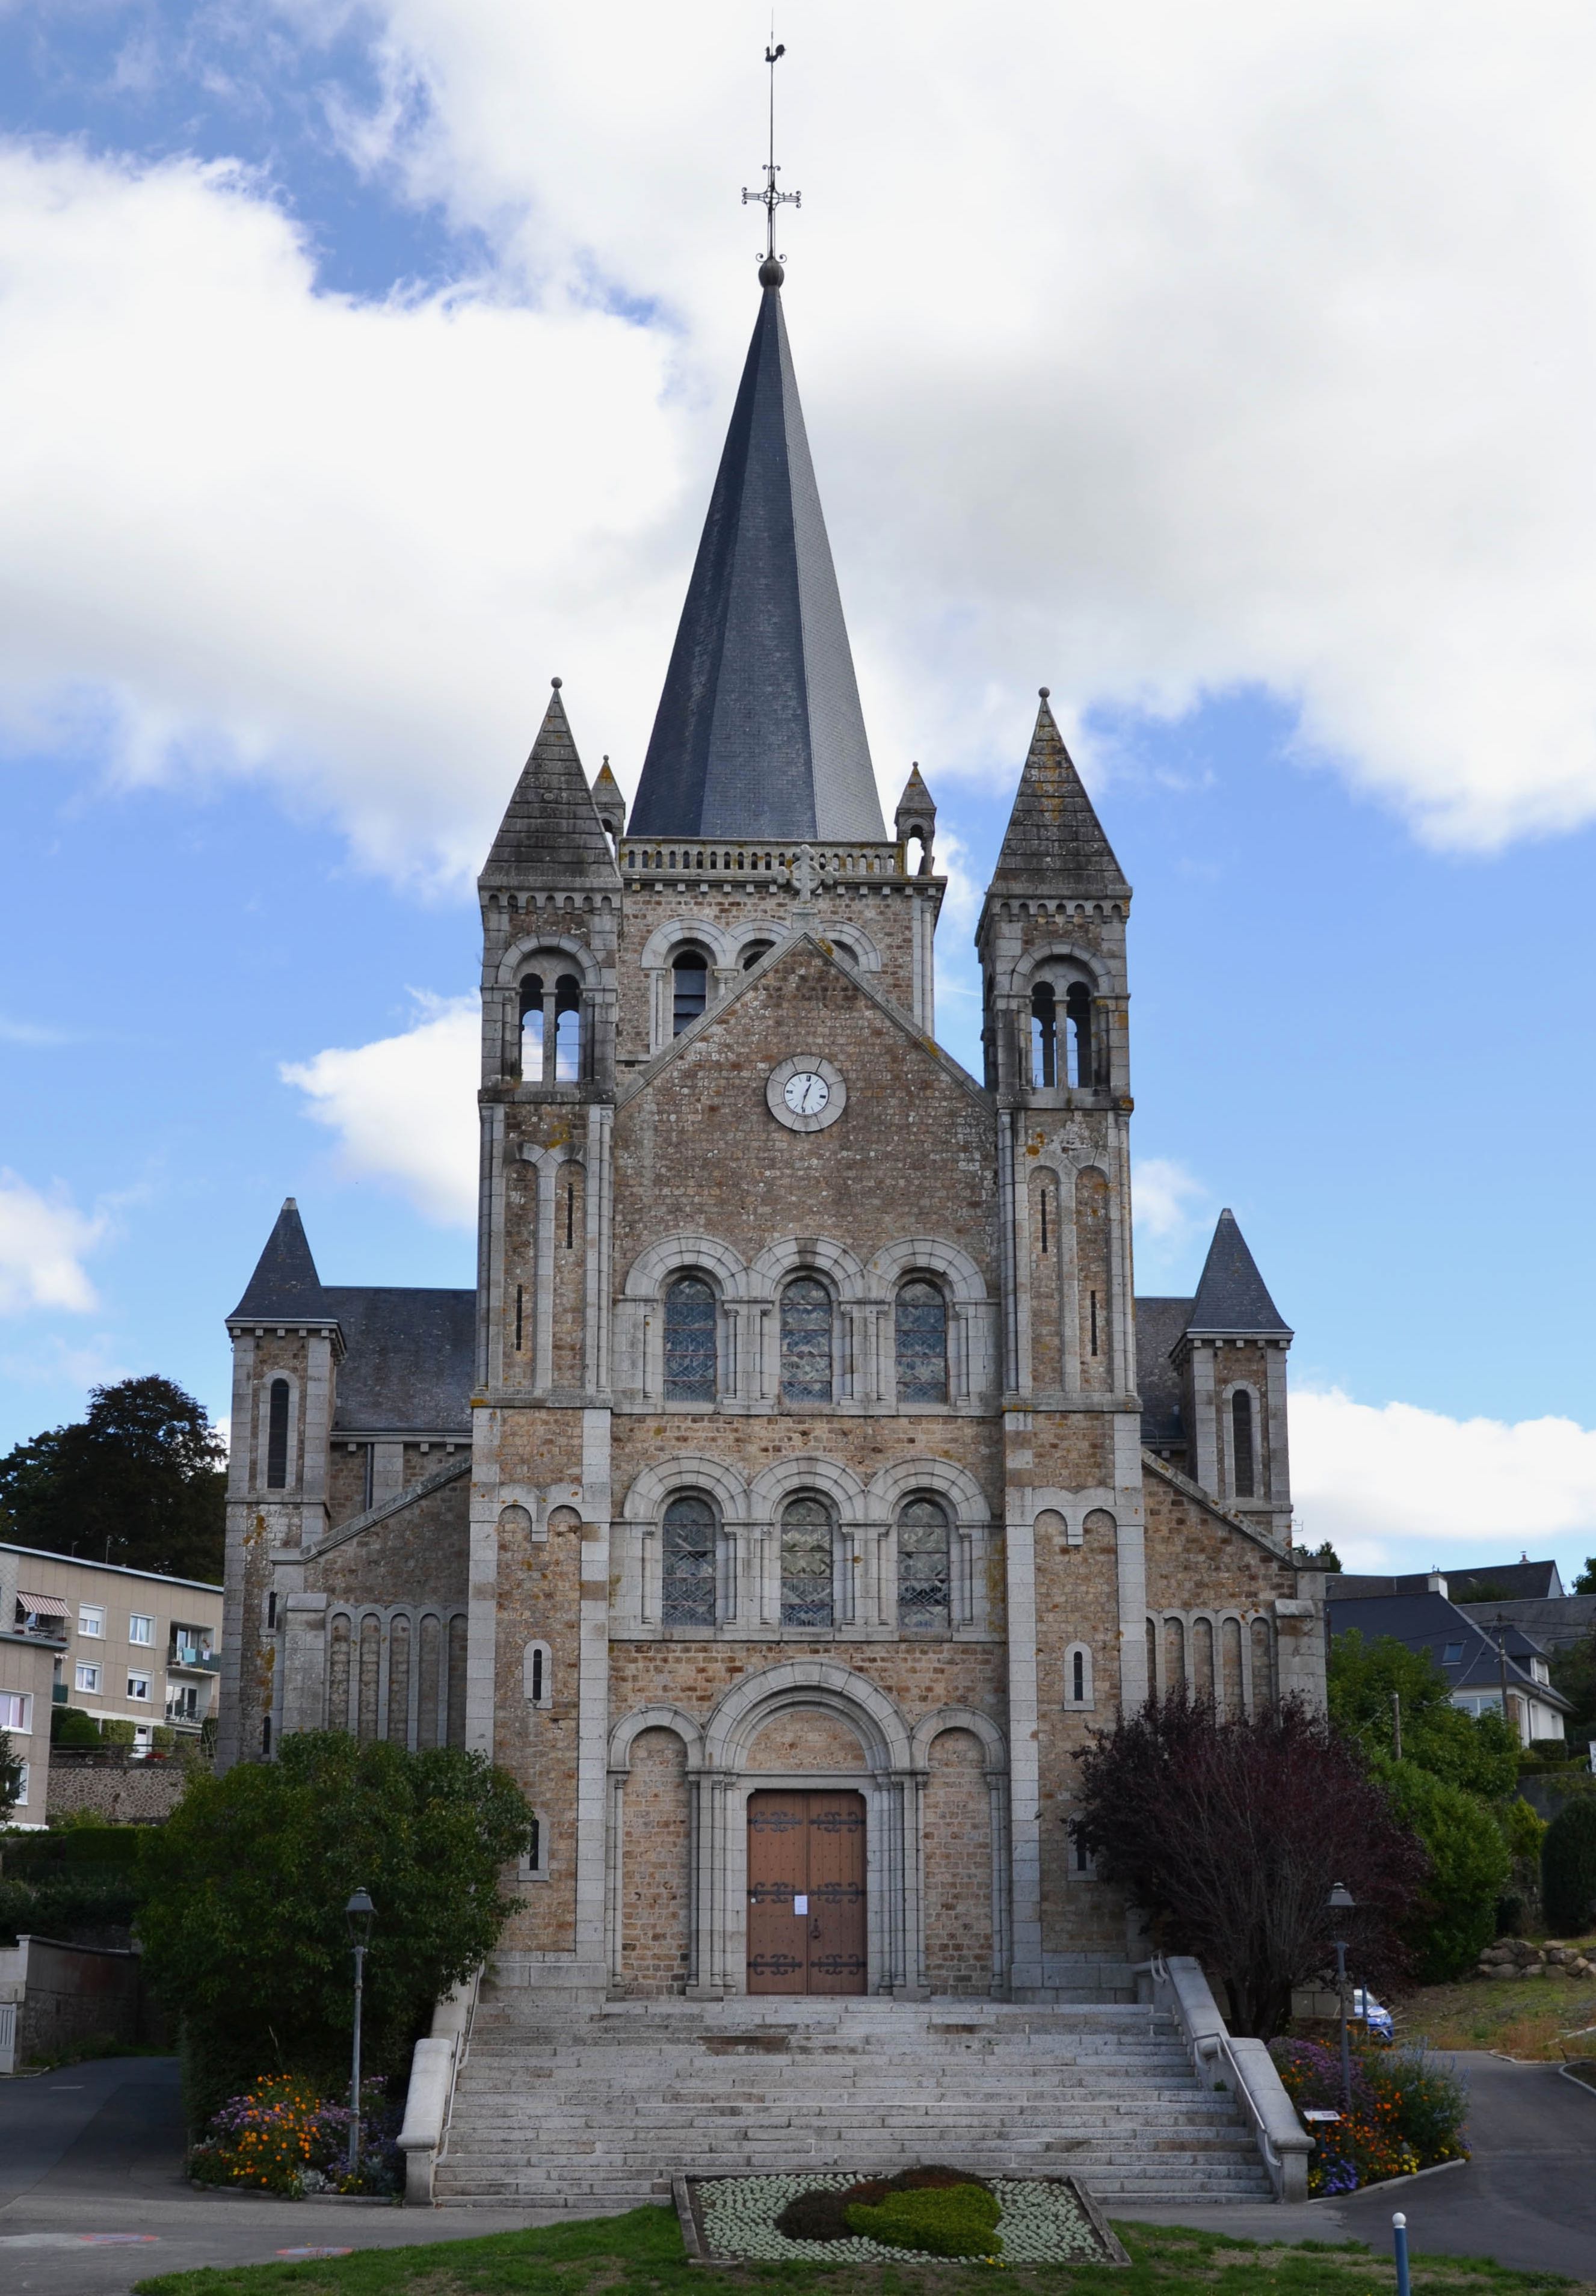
(591, 2112)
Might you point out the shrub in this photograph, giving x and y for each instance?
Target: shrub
(116, 1732)
(1568, 1867)
(816, 2215)
(244, 1888)
(945, 2221)
(70, 1725)
(1469, 1867)
(281, 2136)
(1406, 2113)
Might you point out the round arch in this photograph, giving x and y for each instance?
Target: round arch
(930, 1255)
(631, 1726)
(701, 932)
(653, 1488)
(795, 1255)
(746, 1705)
(566, 945)
(893, 1484)
(1062, 952)
(785, 1478)
(677, 1254)
(930, 1727)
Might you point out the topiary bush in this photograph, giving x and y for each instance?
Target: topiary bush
(1568, 1868)
(70, 1725)
(943, 2221)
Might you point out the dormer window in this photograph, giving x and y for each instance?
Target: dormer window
(689, 988)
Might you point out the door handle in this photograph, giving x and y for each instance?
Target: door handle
(815, 1927)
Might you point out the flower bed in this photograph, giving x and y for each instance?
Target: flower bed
(1044, 2221)
(281, 2136)
(1407, 2113)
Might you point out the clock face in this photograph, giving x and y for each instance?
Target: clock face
(807, 1094)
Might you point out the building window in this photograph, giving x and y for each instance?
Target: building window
(920, 1342)
(16, 1711)
(531, 1029)
(1044, 1037)
(534, 1857)
(689, 988)
(1451, 1655)
(752, 952)
(183, 1705)
(688, 1563)
(141, 1629)
(1241, 1437)
(806, 1341)
(88, 1678)
(551, 1028)
(1077, 1008)
(138, 1685)
(91, 1620)
(925, 1575)
(568, 1028)
(689, 1341)
(807, 1571)
(276, 1437)
(1077, 1675)
(21, 1799)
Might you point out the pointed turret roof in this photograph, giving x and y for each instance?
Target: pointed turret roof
(285, 1287)
(1231, 1300)
(917, 802)
(608, 801)
(551, 834)
(760, 732)
(1054, 843)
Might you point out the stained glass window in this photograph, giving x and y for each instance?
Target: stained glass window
(920, 1331)
(689, 988)
(687, 1593)
(690, 1341)
(924, 1575)
(806, 1564)
(806, 1341)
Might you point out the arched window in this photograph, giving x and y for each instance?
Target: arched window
(1078, 1676)
(1044, 1036)
(568, 1028)
(1077, 1007)
(531, 1029)
(689, 1341)
(920, 1342)
(845, 956)
(807, 1569)
(752, 952)
(925, 1575)
(689, 988)
(276, 1436)
(806, 1341)
(1241, 1443)
(688, 1563)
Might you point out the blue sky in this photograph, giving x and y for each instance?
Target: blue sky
(350, 412)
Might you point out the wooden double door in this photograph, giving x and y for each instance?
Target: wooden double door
(806, 1893)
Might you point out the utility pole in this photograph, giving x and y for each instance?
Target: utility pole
(1396, 1724)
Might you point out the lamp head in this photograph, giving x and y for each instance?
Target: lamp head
(360, 1914)
(1341, 1899)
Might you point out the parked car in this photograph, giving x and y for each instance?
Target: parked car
(1375, 2015)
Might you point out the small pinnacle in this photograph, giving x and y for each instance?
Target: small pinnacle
(289, 1204)
(1043, 689)
(556, 683)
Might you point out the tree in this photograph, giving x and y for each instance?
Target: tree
(139, 1480)
(1478, 1753)
(1573, 1671)
(1585, 1584)
(1470, 1862)
(11, 1775)
(1568, 1867)
(1322, 1557)
(1230, 1834)
(244, 1888)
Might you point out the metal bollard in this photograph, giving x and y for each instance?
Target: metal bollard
(1399, 2241)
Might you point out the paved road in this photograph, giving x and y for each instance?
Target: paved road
(1528, 2197)
(92, 2197)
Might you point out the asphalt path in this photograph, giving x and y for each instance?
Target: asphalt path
(93, 2197)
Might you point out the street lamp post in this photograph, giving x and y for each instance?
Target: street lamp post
(359, 1914)
(1342, 1901)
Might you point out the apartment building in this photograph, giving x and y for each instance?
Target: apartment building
(124, 1645)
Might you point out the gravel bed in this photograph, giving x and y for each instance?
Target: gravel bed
(1041, 2223)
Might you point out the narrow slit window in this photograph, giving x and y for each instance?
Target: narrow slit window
(536, 1688)
(520, 1303)
(569, 1214)
(1077, 1005)
(1044, 1223)
(1044, 1037)
(688, 1563)
(1241, 1437)
(1078, 1677)
(534, 1845)
(808, 1597)
(1094, 1323)
(806, 1341)
(689, 988)
(276, 1436)
(920, 1342)
(925, 1570)
(690, 1341)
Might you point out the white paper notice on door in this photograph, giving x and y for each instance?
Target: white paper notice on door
(800, 1903)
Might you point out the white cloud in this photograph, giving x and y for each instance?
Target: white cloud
(404, 1108)
(1397, 1488)
(1168, 1203)
(1208, 346)
(44, 1242)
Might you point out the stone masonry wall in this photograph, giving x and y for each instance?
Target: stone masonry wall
(956, 1832)
(656, 1889)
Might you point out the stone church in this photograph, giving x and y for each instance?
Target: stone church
(802, 1482)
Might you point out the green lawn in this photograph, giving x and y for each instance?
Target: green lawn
(641, 2255)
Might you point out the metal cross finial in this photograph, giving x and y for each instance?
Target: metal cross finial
(770, 199)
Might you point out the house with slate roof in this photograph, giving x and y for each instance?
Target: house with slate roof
(1490, 1665)
(800, 1483)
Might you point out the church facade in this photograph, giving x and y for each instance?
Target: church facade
(802, 1482)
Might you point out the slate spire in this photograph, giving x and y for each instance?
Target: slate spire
(760, 731)
(285, 1287)
(1054, 843)
(1231, 1299)
(551, 837)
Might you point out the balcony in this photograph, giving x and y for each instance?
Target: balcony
(192, 1658)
